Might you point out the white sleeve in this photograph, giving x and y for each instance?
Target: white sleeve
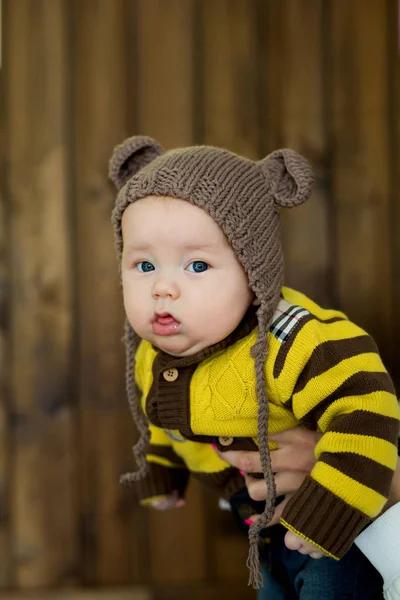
(380, 542)
(393, 591)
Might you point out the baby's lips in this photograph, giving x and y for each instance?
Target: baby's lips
(164, 318)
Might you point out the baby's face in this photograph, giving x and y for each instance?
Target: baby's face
(183, 287)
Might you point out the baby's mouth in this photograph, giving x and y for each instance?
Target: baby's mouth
(165, 320)
(165, 324)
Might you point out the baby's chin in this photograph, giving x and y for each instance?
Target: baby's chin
(178, 347)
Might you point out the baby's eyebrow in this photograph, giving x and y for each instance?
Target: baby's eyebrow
(200, 246)
(143, 246)
(137, 247)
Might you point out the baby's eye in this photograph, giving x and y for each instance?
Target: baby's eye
(198, 266)
(144, 266)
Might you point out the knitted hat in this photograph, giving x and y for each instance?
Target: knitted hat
(243, 197)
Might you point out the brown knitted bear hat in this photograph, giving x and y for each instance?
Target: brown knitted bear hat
(243, 198)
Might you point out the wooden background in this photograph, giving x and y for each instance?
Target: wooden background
(321, 76)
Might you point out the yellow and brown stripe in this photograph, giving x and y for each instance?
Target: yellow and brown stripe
(167, 471)
(164, 455)
(330, 375)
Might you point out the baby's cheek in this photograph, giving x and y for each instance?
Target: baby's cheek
(219, 317)
(136, 307)
(137, 318)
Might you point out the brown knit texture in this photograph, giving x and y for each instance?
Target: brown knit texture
(243, 197)
(337, 524)
(139, 451)
(160, 481)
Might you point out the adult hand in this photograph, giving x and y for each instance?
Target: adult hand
(291, 462)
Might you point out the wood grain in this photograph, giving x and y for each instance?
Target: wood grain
(394, 158)
(230, 76)
(78, 77)
(44, 542)
(132, 593)
(111, 530)
(5, 304)
(164, 70)
(295, 113)
(358, 114)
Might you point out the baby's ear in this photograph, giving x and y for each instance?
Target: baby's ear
(290, 177)
(131, 156)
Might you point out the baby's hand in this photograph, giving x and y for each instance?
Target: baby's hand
(166, 502)
(294, 542)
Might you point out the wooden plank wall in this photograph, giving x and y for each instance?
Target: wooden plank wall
(321, 76)
(41, 483)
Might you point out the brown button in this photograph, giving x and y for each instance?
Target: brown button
(225, 441)
(171, 374)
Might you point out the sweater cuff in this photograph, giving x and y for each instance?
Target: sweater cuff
(323, 518)
(161, 481)
(380, 542)
(226, 483)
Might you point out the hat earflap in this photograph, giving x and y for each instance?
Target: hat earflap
(290, 177)
(132, 155)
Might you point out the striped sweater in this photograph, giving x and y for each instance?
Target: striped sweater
(323, 372)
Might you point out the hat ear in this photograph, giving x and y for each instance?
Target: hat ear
(131, 156)
(290, 176)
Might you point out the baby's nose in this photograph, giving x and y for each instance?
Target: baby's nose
(164, 288)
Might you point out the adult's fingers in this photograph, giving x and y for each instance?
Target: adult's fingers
(296, 450)
(278, 512)
(249, 462)
(286, 482)
(257, 488)
(292, 458)
(297, 436)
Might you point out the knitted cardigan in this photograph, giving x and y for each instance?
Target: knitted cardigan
(323, 372)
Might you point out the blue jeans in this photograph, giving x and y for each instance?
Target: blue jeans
(289, 575)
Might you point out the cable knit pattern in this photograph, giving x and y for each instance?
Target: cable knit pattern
(221, 394)
(243, 198)
(322, 371)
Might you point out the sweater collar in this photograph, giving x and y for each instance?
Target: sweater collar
(245, 327)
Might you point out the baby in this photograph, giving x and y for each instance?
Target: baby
(220, 352)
